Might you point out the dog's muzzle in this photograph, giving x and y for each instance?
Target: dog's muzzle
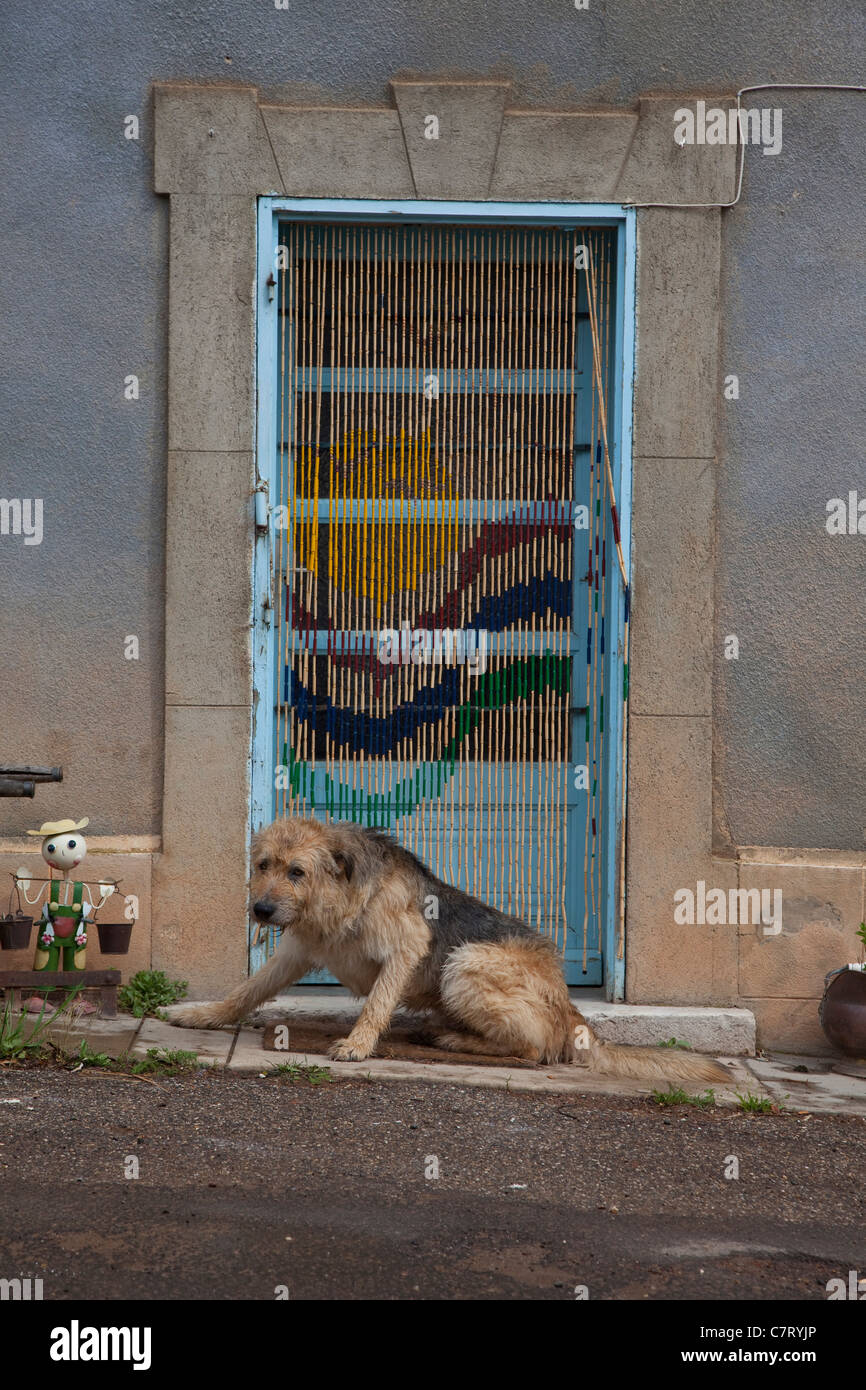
(263, 910)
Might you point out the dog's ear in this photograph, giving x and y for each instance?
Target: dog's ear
(344, 863)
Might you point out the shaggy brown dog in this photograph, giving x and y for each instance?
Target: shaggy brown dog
(356, 903)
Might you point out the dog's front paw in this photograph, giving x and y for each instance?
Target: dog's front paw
(349, 1050)
(193, 1016)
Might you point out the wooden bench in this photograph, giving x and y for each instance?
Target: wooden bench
(106, 981)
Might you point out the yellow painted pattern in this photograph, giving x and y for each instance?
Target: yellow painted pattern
(377, 555)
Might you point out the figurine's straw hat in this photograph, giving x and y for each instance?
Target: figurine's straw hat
(59, 827)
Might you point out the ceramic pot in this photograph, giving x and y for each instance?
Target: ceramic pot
(842, 1010)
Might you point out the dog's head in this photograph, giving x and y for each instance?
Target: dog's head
(301, 872)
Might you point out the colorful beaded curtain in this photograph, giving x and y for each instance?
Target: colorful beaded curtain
(443, 553)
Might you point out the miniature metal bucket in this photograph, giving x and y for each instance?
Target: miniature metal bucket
(15, 932)
(114, 937)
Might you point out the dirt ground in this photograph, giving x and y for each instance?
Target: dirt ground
(247, 1184)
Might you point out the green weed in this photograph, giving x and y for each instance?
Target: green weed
(164, 1061)
(147, 993)
(754, 1105)
(296, 1071)
(675, 1095)
(15, 1044)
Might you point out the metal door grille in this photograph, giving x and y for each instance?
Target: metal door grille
(440, 467)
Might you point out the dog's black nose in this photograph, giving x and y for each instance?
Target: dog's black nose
(263, 910)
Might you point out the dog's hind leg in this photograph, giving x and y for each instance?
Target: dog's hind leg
(512, 996)
(472, 1042)
(288, 963)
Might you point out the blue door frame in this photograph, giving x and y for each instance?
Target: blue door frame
(562, 215)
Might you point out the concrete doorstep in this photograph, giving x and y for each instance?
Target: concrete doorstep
(710, 1030)
(801, 1084)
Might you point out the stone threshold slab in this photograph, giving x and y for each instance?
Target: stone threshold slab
(716, 1031)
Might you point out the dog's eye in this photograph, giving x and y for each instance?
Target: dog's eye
(296, 872)
(263, 866)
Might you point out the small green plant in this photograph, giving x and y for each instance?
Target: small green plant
(754, 1105)
(162, 1062)
(148, 992)
(675, 1095)
(296, 1071)
(861, 934)
(165, 1061)
(15, 1043)
(677, 1042)
(86, 1057)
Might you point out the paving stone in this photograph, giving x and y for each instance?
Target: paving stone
(250, 1055)
(819, 1090)
(211, 1045)
(112, 1035)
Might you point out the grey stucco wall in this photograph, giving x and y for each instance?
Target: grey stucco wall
(790, 757)
(83, 251)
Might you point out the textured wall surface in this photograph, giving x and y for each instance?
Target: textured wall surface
(83, 251)
(790, 758)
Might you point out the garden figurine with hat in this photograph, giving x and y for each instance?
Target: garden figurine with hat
(63, 929)
(70, 903)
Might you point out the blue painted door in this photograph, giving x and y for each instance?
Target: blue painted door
(440, 554)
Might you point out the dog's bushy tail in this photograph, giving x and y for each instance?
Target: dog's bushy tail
(642, 1063)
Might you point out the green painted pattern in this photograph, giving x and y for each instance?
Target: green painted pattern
(495, 690)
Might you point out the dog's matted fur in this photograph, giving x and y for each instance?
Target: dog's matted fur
(356, 903)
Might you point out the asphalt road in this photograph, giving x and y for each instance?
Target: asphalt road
(248, 1185)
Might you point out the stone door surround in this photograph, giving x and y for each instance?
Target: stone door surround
(217, 148)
